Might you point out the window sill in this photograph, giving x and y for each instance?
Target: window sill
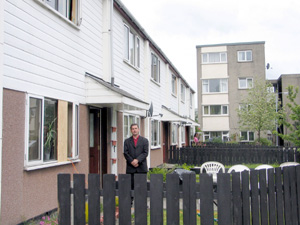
(132, 66)
(155, 147)
(214, 93)
(50, 164)
(43, 4)
(175, 96)
(155, 82)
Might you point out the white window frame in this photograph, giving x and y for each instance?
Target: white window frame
(183, 90)
(174, 84)
(174, 134)
(64, 7)
(223, 85)
(248, 136)
(209, 110)
(248, 81)
(135, 119)
(221, 57)
(244, 58)
(75, 133)
(155, 129)
(135, 61)
(155, 69)
(191, 100)
(224, 134)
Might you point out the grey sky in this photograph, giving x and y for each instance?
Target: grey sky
(177, 26)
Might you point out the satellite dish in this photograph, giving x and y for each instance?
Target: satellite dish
(150, 112)
(268, 66)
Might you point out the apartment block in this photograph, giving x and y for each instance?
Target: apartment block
(224, 73)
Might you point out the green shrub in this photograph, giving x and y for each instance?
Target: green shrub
(263, 142)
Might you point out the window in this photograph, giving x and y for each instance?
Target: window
(182, 134)
(191, 99)
(244, 56)
(270, 89)
(215, 110)
(174, 85)
(247, 136)
(183, 92)
(70, 9)
(155, 133)
(245, 83)
(210, 135)
(131, 47)
(128, 120)
(215, 86)
(42, 130)
(155, 68)
(214, 57)
(174, 133)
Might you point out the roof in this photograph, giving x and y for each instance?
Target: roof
(232, 44)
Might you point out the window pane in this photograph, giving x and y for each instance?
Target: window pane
(215, 134)
(126, 42)
(92, 142)
(138, 52)
(242, 83)
(249, 83)
(244, 135)
(224, 110)
(223, 57)
(50, 129)
(35, 122)
(76, 130)
(249, 55)
(126, 127)
(224, 83)
(214, 85)
(70, 129)
(204, 57)
(241, 56)
(251, 136)
(62, 7)
(205, 109)
(214, 57)
(131, 48)
(215, 110)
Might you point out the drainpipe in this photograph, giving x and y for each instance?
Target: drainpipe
(1, 90)
(111, 44)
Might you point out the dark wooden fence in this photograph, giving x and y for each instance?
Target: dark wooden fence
(232, 154)
(263, 197)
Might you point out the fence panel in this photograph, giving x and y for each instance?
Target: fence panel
(237, 199)
(189, 199)
(206, 202)
(64, 198)
(271, 197)
(263, 197)
(94, 198)
(172, 189)
(140, 199)
(124, 189)
(298, 188)
(79, 199)
(246, 197)
(156, 199)
(254, 197)
(224, 199)
(279, 196)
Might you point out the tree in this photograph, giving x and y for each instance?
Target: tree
(291, 118)
(258, 109)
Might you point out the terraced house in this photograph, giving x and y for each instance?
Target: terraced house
(75, 74)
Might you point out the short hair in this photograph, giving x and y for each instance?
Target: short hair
(134, 124)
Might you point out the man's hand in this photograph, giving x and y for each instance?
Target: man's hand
(135, 163)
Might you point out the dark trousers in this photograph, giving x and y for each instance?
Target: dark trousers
(132, 182)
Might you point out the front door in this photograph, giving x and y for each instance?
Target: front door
(95, 140)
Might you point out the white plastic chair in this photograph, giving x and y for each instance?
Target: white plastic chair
(264, 166)
(289, 164)
(212, 168)
(238, 168)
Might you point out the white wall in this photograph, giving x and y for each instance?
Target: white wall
(45, 54)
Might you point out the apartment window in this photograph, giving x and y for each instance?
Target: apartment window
(174, 85)
(215, 86)
(174, 133)
(70, 9)
(215, 110)
(131, 47)
(128, 120)
(155, 68)
(244, 56)
(210, 135)
(183, 92)
(155, 133)
(247, 136)
(214, 57)
(270, 89)
(245, 83)
(42, 130)
(191, 99)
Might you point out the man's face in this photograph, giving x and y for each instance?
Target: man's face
(135, 130)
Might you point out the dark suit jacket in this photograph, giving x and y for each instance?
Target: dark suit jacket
(139, 152)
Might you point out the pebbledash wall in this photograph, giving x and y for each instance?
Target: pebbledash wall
(21, 200)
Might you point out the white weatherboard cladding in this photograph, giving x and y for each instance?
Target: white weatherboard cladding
(215, 123)
(210, 71)
(214, 49)
(174, 103)
(213, 99)
(126, 76)
(47, 56)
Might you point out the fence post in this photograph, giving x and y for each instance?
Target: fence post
(94, 198)
(79, 199)
(64, 199)
(206, 199)
(189, 199)
(156, 199)
(172, 188)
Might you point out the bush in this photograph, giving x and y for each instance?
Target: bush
(263, 142)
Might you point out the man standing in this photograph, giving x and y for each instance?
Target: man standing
(135, 153)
